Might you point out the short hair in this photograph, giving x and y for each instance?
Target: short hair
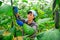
(29, 12)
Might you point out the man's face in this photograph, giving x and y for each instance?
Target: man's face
(30, 16)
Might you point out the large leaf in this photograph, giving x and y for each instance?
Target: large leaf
(53, 34)
(6, 9)
(25, 0)
(28, 30)
(43, 20)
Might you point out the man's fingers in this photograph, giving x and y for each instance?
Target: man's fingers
(17, 15)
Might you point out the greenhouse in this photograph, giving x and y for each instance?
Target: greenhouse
(29, 19)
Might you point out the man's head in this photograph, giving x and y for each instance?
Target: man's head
(31, 14)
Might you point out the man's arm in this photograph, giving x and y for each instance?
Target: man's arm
(19, 18)
(15, 11)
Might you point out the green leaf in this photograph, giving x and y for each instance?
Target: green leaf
(6, 9)
(24, 0)
(40, 21)
(28, 30)
(53, 34)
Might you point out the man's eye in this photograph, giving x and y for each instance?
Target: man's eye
(30, 15)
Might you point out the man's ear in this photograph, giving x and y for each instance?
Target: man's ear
(33, 17)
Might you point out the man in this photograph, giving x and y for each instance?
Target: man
(30, 19)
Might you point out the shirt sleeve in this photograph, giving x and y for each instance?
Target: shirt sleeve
(35, 28)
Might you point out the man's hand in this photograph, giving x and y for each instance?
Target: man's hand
(19, 22)
(17, 15)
